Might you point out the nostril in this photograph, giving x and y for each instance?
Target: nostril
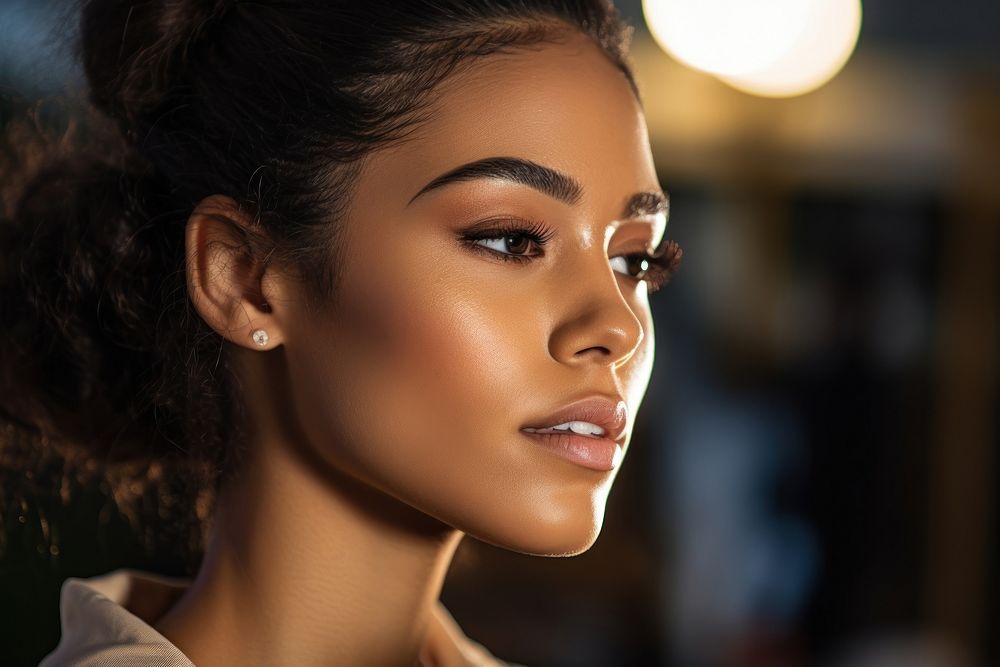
(596, 349)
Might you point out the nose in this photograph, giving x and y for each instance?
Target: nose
(596, 323)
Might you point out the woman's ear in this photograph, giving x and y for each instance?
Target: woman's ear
(233, 291)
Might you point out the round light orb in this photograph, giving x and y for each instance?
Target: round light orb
(775, 48)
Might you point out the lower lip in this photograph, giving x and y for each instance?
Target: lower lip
(594, 453)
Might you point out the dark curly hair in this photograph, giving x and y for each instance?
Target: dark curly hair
(107, 367)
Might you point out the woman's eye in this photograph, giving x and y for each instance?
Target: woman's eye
(509, 239)
(510, 244)
(634, 266)
(656, 269)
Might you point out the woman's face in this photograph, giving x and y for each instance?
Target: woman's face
(449, 337)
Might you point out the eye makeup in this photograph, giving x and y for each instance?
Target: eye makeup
(655, 268)
(508, 229)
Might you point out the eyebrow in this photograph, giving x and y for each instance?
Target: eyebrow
(544, 179)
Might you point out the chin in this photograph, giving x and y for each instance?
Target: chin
(547, 530)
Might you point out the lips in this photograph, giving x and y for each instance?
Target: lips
(611, 414)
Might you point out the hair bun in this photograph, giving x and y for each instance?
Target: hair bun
(130, 75)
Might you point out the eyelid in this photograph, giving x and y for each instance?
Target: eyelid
(496, 228)
(508, 224)
(636, 248)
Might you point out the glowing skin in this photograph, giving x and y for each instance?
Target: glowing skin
(389, 422)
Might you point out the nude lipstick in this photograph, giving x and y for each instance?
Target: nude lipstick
(587, 432)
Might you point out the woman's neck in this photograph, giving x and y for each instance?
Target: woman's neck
(307, 566)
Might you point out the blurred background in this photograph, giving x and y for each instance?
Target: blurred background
(813, 476)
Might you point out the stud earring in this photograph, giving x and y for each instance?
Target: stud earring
(260, 337)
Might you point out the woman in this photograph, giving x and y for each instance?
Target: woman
(375, 276)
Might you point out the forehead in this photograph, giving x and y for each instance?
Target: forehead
(565, 105)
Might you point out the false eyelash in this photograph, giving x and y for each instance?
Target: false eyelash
(664, 263)
(536, 232)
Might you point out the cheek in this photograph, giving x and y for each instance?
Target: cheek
(409, 385)
(444, 357)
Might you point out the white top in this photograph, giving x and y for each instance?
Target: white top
(106, 623)
(98, 631)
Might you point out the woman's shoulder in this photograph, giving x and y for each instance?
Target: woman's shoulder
(104, 621)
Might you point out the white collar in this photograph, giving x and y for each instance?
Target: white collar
(98, 629)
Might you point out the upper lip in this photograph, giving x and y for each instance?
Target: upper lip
(610, 413)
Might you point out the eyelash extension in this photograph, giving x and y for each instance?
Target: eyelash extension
(535, 232)
(664, 262)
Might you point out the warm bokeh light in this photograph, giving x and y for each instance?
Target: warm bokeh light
(775, 48)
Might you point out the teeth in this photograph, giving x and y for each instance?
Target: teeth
(583, 428)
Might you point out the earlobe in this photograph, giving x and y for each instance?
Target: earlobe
(224, 279)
